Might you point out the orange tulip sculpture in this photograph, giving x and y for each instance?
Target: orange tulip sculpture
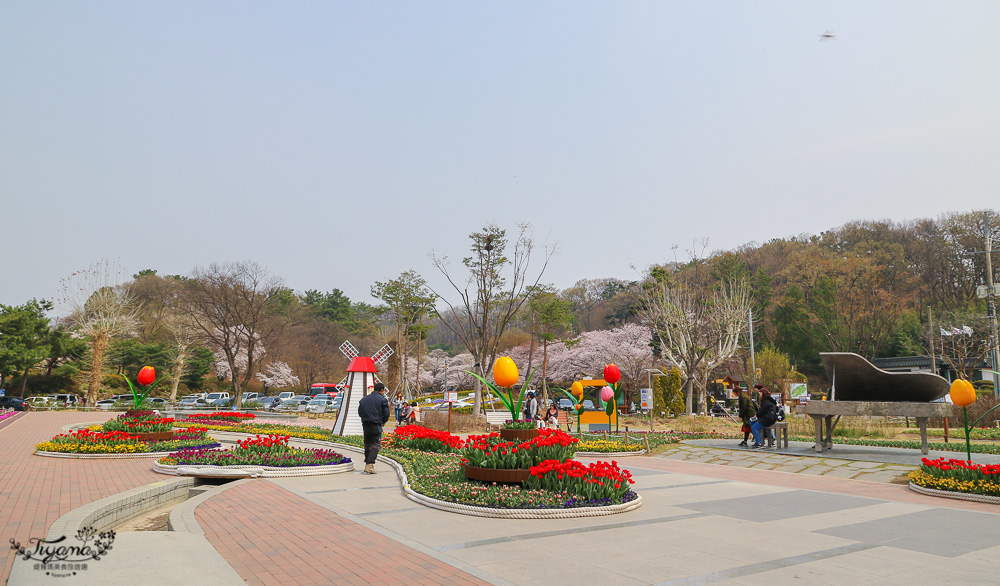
(963, 394)
(575, 394)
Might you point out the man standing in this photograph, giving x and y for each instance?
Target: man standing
(374, 413)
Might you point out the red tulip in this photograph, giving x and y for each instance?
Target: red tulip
(146, 376)
(612, 374)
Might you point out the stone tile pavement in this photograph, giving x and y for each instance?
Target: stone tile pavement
(35, 491)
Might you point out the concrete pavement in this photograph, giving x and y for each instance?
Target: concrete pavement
(700, 523)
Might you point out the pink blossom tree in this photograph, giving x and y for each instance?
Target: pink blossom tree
(277, 375)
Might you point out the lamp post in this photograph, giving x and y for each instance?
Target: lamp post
(649, 374)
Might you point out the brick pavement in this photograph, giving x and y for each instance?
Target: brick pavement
(278, 537)
(35, 491)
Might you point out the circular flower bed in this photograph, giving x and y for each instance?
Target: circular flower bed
(85, 441)
(220, 418)
(262, 455)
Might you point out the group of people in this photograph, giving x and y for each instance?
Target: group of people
(757, 417)
(406, 413)
(549, 419)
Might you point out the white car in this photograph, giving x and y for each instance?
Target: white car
(192, 403)
(320, 405)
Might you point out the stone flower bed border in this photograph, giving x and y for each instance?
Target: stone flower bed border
(962, 496)
(255, 471)
(610, 454)
(103, 456)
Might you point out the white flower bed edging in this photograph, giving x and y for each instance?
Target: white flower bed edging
(103, 456)
(251, 471)
(962, 496)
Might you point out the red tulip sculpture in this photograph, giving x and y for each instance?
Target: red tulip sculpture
(146, 378)
(612, 375)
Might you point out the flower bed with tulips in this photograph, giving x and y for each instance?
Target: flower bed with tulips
(429, 440)
(958, 476)
(607, 446)
(490, 451)
(597, 482)
(220, 418)
(269, 450)
(144, 424)
(259, 427)
(87, 441)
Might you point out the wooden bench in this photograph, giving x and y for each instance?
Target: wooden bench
(497, 418)
(781, 430)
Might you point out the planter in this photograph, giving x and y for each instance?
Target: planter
(496, 475)
(520, 435)
(154, 436)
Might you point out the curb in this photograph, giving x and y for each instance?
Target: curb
(609, 454)
(122, 507)
(962, 496)
(253, 471)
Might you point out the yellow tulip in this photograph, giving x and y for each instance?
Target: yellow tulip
(577, 390)
(505, 372)
(962, 393)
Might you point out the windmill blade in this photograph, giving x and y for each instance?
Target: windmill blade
(349, 350)
(383, 354)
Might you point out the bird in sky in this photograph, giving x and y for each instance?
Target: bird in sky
(828, 36)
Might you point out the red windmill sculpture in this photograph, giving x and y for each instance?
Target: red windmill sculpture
(359, 382)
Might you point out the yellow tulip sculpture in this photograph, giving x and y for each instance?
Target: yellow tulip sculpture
(963, 394)
(506, 376)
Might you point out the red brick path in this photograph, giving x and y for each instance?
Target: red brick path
(272, 536)
(35, 491)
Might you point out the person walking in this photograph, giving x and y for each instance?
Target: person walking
(767, 415)
(397, 406)
(374, 413)
(746, 410)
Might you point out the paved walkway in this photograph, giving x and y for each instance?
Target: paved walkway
(272, 536)
(700, 523)
(35, 491)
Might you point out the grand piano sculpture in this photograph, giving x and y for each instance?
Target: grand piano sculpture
(858, 388)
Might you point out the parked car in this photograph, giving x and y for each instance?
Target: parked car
(105, 404)
(324, 389)
(39, 402)
(265, 402)
(15, 403)
(565, 404)
(286, 395)
(192, 403)
(251, 397)
(213, 398)
(588, 405)
(297, 403)
(320, 405)
(66, 400)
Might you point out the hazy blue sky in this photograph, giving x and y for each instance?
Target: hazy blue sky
(338, 143)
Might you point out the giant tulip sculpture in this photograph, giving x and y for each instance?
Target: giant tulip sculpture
(963, 394)
(505, 374)
(575, 394)
(612, 375)
(146, 378)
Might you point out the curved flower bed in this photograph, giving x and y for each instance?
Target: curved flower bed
(429, 440)
(599, 447)
(958, 476)
(257, 456)
(222, 417)
(86, 441)
(145, 424)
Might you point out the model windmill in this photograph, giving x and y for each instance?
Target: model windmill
(359, 381)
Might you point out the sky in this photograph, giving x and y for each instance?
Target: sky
(339, 143)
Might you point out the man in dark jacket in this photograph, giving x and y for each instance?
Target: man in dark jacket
(767, 415)
(374, 413)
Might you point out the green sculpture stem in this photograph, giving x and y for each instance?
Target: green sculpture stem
(968, 446)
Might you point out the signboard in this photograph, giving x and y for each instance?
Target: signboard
(3, 392)
(647, 398)
(798, 391)
(451, 396)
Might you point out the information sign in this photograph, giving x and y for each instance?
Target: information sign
(646, 398)
(451, 396)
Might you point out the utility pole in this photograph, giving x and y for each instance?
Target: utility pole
(753, 358)
(991, 304)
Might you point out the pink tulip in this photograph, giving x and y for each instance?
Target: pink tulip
(607, 394)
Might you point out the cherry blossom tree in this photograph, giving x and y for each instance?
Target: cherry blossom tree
(224, 367)
(277, 375)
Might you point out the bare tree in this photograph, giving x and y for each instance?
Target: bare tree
(102, 307)
(182, 333)
(230, 305)
(698, 329)
(488, 298)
